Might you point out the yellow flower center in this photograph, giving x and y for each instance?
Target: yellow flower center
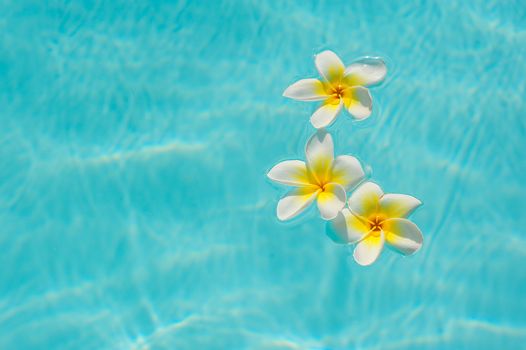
(319, 185)
(376, 225)
(337, 91)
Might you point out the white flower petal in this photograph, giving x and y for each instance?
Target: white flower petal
(320, 155)
(398, 205)
(403, 235)
(348, 228)
(359, 103)
(329, 65)
(365, 199)
(295, 202)
(325, 115)
(365, 72)
(290, 172)
(369, 249)
(331, 200)
(347, 171)
(306, 90)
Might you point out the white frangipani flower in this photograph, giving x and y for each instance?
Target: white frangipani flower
(322, 178)
(374, 218)
(340, 87)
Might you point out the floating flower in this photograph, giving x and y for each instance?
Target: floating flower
(323, 177)
(374, 218)
(340, 87)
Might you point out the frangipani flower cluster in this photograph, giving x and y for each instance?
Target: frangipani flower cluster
(340, 87)
(368, 218)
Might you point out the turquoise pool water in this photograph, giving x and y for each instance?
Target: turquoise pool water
(134, 208)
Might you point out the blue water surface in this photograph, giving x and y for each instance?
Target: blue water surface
(134, 209)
